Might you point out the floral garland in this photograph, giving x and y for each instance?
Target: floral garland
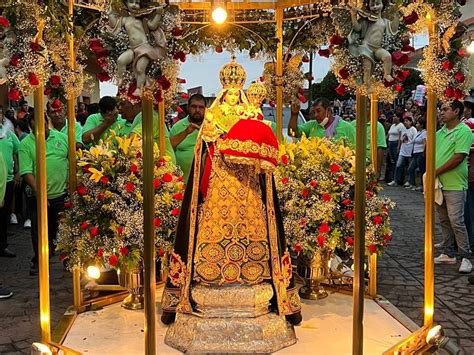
(349, 68)
(315, 183)
(103, 221)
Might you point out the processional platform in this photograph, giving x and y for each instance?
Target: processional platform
(326, 328)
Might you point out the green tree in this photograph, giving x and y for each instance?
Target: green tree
(412, 81)
(326, 88)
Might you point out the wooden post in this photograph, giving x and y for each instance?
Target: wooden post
(374, 159)
(279, 73)
(161, 127)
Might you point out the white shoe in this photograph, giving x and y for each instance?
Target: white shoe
(444, 259)
(392, 183)
(438, 245)
(466, 266)
(410, 187)
(419, 188)
(407, 184)
(27, 224)
(13, 219)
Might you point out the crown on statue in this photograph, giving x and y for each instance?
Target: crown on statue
(256, 93)
(232, 75)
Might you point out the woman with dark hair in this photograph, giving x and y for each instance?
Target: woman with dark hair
(418, 158)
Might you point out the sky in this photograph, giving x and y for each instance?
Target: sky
(203, 70)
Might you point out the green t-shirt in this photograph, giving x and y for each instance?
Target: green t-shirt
(96, 119)
(137, 129)
(185, 150)
(126, 128)
(381, 140)
(3, 179)
(56, 161)
(9, 147)
(78, 131)
(344, 130)
(448, 143)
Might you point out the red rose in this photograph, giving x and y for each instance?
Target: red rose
(313, 183)
(156, 183)
(284, 159)
(94, 232)
(349, 214)
(103, 76)
(459, 94)
(102, 62)
(336, 40)
(100, 252)
(399, 58)
(412, 18)
(100, 196)
(449, 92)
(33, 79)
(178, 196)
(324, 228)
(35, 47)
(460, 77)
(218, 49)
(164, 82)
(341, 90)
(55, 80)
(113, 260)
(129, 187)
(377, 220)
(84, 225)
(369, 194)
(85, 168)
(95, 44)
(47, 91)
(175, 211)
(81, 190)
(158, 96)
(56, 104)
(305, 59)
(398, 88)
(134, 168)
(179, 178)
(344, 73)
(124, 251)
(14, 94)
(4, 22)
(177, 32)
(402, 75)
(407, 48)
(184, 96)
(321, 240)
(448, 65)
(302, 99)
(167, 177)
(68, 204)
(387, 237)
(346, 202)
(297, 248)
(101, 53)
(119, 230)
(324, 53)
(326, 197)
(104, 180)
(285, 180)
(462, 52)
(157, 222)
(180, 55)
(161, 253)
(182, 81)
(350, 241)
(340, 180)
(15, 61)
(272, 103)
(372, 248)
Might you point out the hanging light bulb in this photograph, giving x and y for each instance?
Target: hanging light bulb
(219, 12)
(93, 272)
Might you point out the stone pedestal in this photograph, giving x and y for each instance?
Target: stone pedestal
(231, 319)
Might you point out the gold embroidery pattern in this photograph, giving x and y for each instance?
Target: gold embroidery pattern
(263, 150)
(294, 300)
(177, 270)
(170, 299)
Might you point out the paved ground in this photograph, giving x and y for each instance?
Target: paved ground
(400, 281)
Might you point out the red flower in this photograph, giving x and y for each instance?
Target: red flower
(448, 65)
(68, 204)
(103, 76)
(179, 178)
(402, 75)
(346, 202)
(398, 88)
(47, 91)
(129, 187)
(372, 248)
(407, 48)
(387, 237)
(336, 40)
(100, 196)
(313, 183)
(134, 168)
(341, 90)
(35, 47)
(63, 256)
(369, 194)
(119, 230)
(158, 96)
(184, 96)
(94, 232)
(56, 104)
(387, 84)
(95, 44)
(350, 241)
(303, 222)
(84, 225)
(178, 196)
(15, 61)
(297, 248)
(124, 251)
(156, 183)
(181, 81)
(460, 77)
(399, 58)
(101, 53)
(272, 103)
(85, 168)
(449, 92)
(157, 222)
(175, 211)
(302, 99)
(4, 22)
(349, 214)
(167, 177)
(177, 32)
(100, 252)
(340, 180)
(326, 197)
(324, 228)
(377, 220)
(218, 49)
(324, 53)
(164, 82)
(113, 260)
(104, 180)
(305, 193)
(14, 94)
(55, 80)
(33, 79)
(262, 79)
(102, 62)
(412, 18)
(321, 240)
(81, 190)
(344, 73)
(462, 52)
(161, 253)
(459, 94)
(284, 159)
(180, 55)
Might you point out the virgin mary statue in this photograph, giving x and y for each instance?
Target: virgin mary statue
(230, 286)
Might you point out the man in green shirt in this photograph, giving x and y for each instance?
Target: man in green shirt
(453, 142)
(4, 293)
(183, 134)
(60, 123)
(99, 125)
(128, 111)
(56, 181)
(325, 124)
(9, 151)
(132, 113)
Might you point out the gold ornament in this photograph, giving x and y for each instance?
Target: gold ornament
(256, 93)
(232, 75)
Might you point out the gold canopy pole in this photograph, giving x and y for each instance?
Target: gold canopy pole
(374, 101)
(279, 73)
(161, 127)
(359, 229)
(42, 206)
(148, 227)
(429, 190)
(71, 134)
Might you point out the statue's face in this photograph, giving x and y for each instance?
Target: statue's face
(133, 4)
(232, 97)
(375, 5)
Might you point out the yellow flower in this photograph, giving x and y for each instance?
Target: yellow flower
(96, 174)
(139, 196)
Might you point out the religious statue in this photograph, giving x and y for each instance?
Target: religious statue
(256, 93)
(367, 36)
(147, 40)
(230, 265)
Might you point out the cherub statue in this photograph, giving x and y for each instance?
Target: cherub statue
(367, 35)
(147, 40)
(4, 57)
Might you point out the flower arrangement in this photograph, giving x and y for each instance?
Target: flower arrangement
(315, 183)
(103, 221)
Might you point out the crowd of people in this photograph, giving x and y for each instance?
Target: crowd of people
(401, 146)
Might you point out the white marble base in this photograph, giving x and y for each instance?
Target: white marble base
(326, 329)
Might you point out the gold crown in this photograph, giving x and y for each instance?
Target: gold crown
(232, 75)
(256, 93)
